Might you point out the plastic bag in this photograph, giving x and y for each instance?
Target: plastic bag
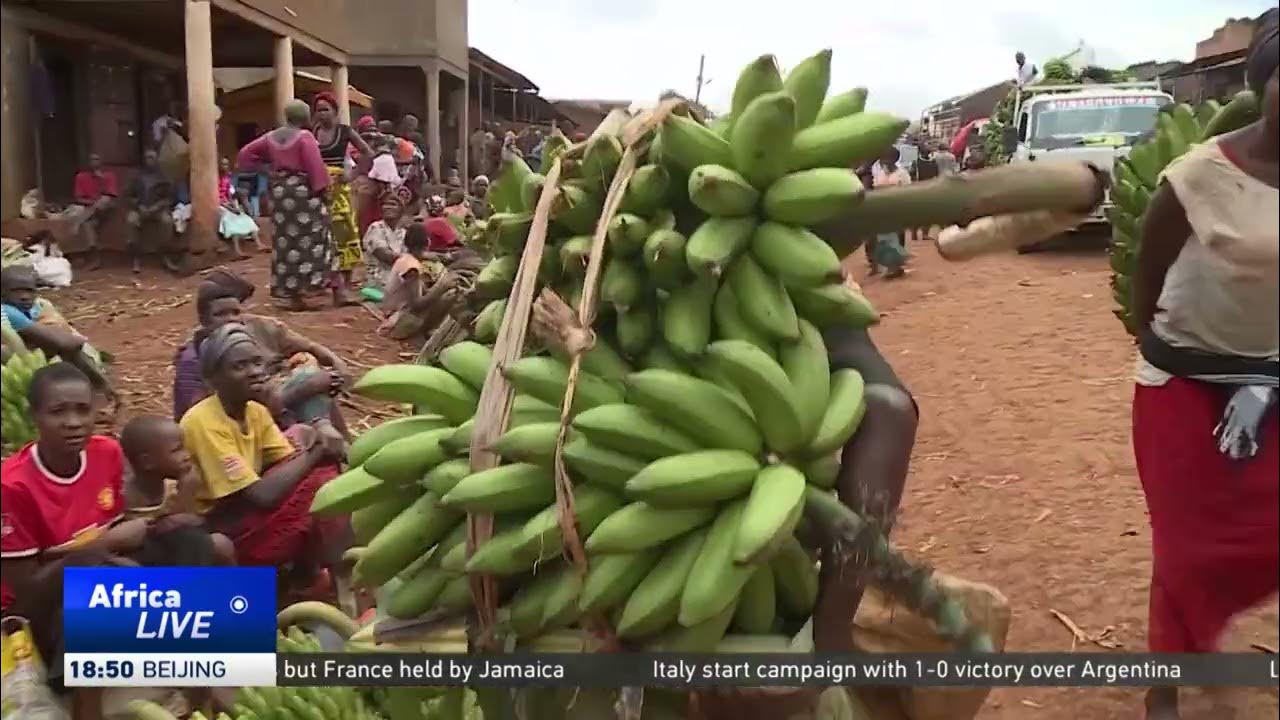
(23, 691)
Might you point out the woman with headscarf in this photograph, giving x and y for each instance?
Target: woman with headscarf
(334, 139)
(384, 240)
(304, 261)
(1204, 409)
(365, 191)
(304, 374)
(257, 484)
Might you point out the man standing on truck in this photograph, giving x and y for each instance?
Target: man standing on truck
(1026, 73)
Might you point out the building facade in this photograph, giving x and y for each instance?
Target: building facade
(81, 77)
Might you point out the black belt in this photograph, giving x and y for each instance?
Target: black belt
(1193, 363)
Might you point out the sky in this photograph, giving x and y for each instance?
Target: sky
(635, 49)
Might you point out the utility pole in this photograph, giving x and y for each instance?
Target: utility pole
(697, 95)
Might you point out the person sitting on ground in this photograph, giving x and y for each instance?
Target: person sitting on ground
(418, 288)
(384, 241)
(39, 325)
(160, 488)
(61, 498)
(235, 225)
(305, 375)
(434, 207)
(257, 483)
(151, 198)
(96, 194)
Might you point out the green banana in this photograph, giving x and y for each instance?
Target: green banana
(505, 488)
(627, 234)
(834, 305)
(721, 192)
(664, 258)
(795, 578)
(632, 430)
(716, 243)
(794, 255)
(686, 317)
(757, 606)
(655, 603)
(807, 83)
(807, 367)
(547, 379)
(534, 443)
(592, 505)
(763, 300)
(445, 476)
(641, 526)
(731, 326)
(704, 477)
(406, 460)
(611, 578)
(718, 580)
(760, 140)
(767, 389)
(699, 408)
(421, 386)
(772, 511)
(592, 463)
(468, 360)
(840, 420)
(372, 440)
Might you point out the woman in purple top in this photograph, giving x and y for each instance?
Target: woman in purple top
(304, 259)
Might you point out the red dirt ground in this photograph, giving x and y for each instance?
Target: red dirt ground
(1023, 474)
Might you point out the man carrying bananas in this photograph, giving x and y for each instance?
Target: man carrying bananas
(873, 473)
(1204, 409)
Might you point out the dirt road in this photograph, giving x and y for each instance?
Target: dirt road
(1023, 475)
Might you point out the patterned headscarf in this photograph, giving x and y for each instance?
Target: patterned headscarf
(220, 342)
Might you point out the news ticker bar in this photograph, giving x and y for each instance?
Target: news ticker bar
(608, 670)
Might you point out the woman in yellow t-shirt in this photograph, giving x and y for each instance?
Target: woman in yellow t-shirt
(257, 483)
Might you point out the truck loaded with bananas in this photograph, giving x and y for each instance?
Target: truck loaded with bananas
(669, 480)
(1136, 177)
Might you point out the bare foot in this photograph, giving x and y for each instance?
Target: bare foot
(137, 265)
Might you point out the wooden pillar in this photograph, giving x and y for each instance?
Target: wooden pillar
(341, 86)
(284, 75)
(432, 72)
(460, 110)
(202, 127)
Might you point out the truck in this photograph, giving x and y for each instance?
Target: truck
(1093, 123)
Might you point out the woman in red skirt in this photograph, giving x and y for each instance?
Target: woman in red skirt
(258, 484)
(1204, 410)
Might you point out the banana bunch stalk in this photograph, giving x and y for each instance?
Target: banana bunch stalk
(706, 422)
(16, 426)
(1136, 178)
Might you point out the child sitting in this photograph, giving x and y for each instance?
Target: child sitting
(235, 225)
(417, 285)
(162, 491)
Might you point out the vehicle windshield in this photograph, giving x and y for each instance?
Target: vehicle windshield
(1073, 121)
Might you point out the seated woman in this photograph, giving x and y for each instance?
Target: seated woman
(40, 326)
(257, 485)
(304, 374)
(384, 240)
(63, 502)
(235, 224)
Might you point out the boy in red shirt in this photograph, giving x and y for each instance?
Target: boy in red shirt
(61, 501)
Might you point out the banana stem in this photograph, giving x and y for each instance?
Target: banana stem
(912, 585)
(1066, 186)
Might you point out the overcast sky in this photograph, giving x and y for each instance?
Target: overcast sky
(909, 54)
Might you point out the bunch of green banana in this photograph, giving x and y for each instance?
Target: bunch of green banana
(1136, 177)
(706, 419)
(16, 425)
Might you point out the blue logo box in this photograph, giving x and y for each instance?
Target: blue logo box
(169, 609)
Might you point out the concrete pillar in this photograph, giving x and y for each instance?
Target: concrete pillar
(432, 72)
(460, 110)
(341, 86)
(284, 75)
(202, 127)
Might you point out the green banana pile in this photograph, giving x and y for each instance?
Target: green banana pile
(706, 419)
(16, 425)
(1136, 177)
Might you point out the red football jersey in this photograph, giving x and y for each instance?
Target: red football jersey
(41, 511)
